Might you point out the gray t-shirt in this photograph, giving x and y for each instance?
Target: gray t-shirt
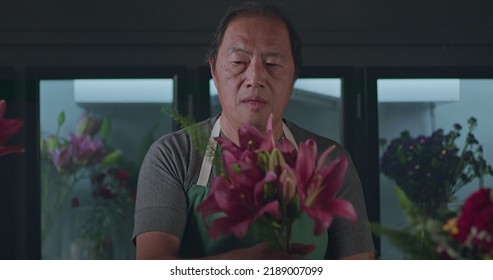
(172, 165)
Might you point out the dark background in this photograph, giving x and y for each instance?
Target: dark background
(124, 36)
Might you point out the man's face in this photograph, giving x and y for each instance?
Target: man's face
(254, 72)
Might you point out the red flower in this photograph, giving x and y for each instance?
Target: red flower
(318, 184)
(104, 192)
(475, 223)
(8, 128)
(120, 174)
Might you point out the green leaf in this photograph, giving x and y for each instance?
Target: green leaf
(415, 216)
(199, 137)
(105, 129)
(111, 158)
(412, 245)
(61, 118)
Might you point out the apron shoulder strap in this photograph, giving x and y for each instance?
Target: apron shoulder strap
(206, 168)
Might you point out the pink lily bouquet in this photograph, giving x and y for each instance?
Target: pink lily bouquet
(268, 185)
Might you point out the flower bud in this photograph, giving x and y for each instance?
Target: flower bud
(275, 160)
(88, 125)
(51, 143)
(288, 183)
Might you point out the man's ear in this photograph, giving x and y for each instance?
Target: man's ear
(211, 67)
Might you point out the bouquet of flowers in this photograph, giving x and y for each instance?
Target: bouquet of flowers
(8, 128)
(85, 158)
(431, 169)
(267, 185)
(112, 193)
(464, 234)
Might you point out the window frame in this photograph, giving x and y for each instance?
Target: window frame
(370, 154)
(34, 76)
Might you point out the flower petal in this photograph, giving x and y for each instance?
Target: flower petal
(8, 128)
(333, 176)
(271, 208)
(210, 205)
(321, 218)
(305, 162)
(228, 145)
(250, 138)
(343, 208)
(323, 157)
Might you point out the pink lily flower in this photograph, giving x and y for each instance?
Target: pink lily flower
(86, 150)
(62, 160)
(263, 177)
(8, 128)
(240, 203)
(240, 194)
(318, 184)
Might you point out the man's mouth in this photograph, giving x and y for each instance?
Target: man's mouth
(254, 103)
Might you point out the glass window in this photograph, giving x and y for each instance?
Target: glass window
(423, 107)
(94, 134)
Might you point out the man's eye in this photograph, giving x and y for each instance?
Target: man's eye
(270, 64)
(238, 62)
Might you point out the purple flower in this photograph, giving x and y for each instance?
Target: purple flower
(86, 150)
(62, 160)
(433, 168)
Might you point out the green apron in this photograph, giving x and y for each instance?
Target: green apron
(196, 241)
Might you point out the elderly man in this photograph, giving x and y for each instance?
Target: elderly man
(254, 60)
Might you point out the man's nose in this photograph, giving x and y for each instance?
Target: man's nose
(255, 74)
